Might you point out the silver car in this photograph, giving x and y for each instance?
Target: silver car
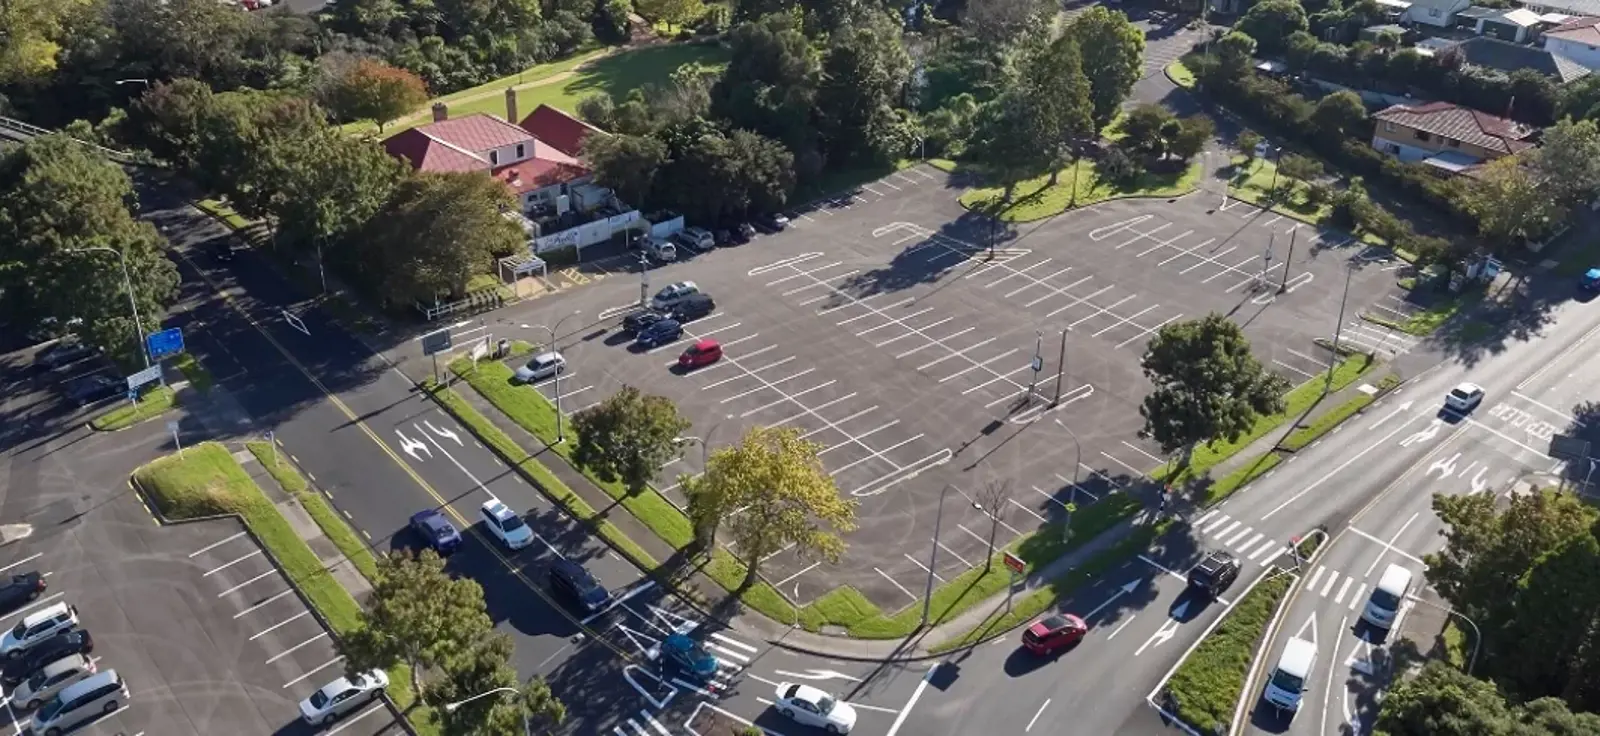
(541, 366)
(56, 676)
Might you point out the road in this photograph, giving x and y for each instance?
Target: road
(1408, 453)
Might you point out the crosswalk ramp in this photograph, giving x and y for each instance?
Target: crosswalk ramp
(1243, 540)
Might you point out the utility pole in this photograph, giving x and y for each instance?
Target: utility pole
(1038, 363)
(933, 556)
(1338, 330)
(1284, 285)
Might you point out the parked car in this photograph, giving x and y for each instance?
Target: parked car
(809, 706)
(1213, 574)
(1590, 280)
(696, 238)
(641, 319)
(772, 223)
(743, 232)
(660, 251)
(572, 580)
(95, 388)
(100, 694)
(63, 353)
(51, 679)
(704, 352)
(1464, 398)
(694, 307)
(20, 589)
(37, 627)
(342, 697)
(541, 366)
(671, 294)
(436, 531)
(688, 656)
(1053, 633)
(505, 525)
(662, 332)
(75, 641)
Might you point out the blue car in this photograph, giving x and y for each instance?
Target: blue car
(1591, 280)
(659, 333)
(437, 531)
(688, 656)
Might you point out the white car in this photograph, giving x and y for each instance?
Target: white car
(541, 366)
(1464, 398)
(37, 627)
(340, 697)
(671, 294)
(809, 706)
(504, 523)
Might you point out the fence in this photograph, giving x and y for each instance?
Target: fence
(28, 130)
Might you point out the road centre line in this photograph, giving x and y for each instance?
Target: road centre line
(192, 555)
(1380, 542)
(1389, 545)
(1318, 482)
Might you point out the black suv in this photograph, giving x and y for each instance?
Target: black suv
(636, 322)
(694, 307)
(1214, 573)
(570, 579)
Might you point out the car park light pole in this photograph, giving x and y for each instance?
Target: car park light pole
(1072, 490)
(933, 556)
(1477, 636)
(527, 724)
(128, 284)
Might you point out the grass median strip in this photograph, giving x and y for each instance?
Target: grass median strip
(1208, 683)
(152, 404)
(1037, 198)
(204, 480)
(322, 512)
(197, 375)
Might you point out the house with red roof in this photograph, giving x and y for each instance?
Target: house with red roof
(1448, 137)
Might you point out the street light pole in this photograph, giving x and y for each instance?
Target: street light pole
(1283, 286)
(1061, 365)
(1338, 329)
(127, 281)
(561, 435)
(527, 724)
(933, 556)
(1477, 636)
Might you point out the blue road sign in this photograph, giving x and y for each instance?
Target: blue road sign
(164, 343)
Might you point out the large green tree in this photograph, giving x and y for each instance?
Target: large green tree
(1208, 385)
(628, 437)
(368, 89)
(65, 214)
(1007, 138)
(434, 234)
(328, 186)
(31, 35)
(863, 77)
(1271, 22)
(770, 85)
(1052, 81)
(627, 164)
(484, 667)
(1112, 48)
(1441, 701)
(1567, 161)
(1340, 115)
(1511, 205)
(417, 615)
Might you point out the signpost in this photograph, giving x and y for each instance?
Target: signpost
(1017, 566)
(434, 343)
(148, 375)
(164, 343)
(173, 428)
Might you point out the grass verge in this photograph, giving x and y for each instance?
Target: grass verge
(1227, 484)
(1307, 434)
(1253, 181)
(1036, 199)
(1059, 588)
(198, 376)
(152, 404)
(205, 480)
(1423, 323)
(1207, 684)
(1180, 74)
(315, 504)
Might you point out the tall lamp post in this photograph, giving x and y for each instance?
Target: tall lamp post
(527, 725)
(127, 283)
(561, 435)
(933, 556)
(1477, 636)
(1338, 329)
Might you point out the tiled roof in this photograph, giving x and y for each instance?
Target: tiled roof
(1462, 124)
(1502, 56)
(1581, 30)
(525, 176)
(426, 153)
(477, 132)
(562, 131)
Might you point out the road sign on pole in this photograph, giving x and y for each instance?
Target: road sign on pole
(173, 428)
(435, 342)
(148, 375)
(164, 343)
(1567, 447)
(1017, 564)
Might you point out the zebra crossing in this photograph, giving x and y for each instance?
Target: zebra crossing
(1333, 585)
(1243, 540)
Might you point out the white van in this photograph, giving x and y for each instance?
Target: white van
(1289, 678)
(101, 694)
(1387, 598)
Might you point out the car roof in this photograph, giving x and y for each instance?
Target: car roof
(573, 569)
(546, 357)
(1469, 387)
(494, 507)
(432, 519)
(1593, 273)
(1297, 657)
(63, 663)
(706, 343)
(1215, 560)
(807, 693)
(45, 613)
(95, 682)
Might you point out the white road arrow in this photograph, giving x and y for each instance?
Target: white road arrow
(1445, 467)
(1397, 411)
(1363, 663)
(1479, 485)
(1423, 435)
(1122, 591)
(445, 433)
(411, 446)
(817, 675)
(1169, 629)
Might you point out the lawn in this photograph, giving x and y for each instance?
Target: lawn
(1423, 323)
(205, 480)
(1036, 199)
(152, 404)
(1252, 181)
(1207, 684)
(1180, 74)
(1325, 423)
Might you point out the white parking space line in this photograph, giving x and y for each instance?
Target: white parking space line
(352, 720)
(863, 435)
(1149, 330)
(1031, 512)
(871, 330)
(818, 408)
(952, 553)
(768, 385)
(313, 671)
(804, 570)
(36, 555)
(871, 311)
(268, 573)
(263, 603)
(1282, 364)
(293, 649)
(280, 624)
(896, 584)
(918, 563)
(25, 611)
(786, 398)
(1068, 287)
(747, 372)
(876, 454)
(236, 561)
(1032, 284)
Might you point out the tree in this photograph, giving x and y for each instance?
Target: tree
(1340, 115)
(670, 12)
(1194, 132)
(1235, 51)
(329, 185)
(628, 437)
(787, 498)
(483, 668)
(372, 90)
(31, 33)
(1294, 167)
(863, 77)
(627, 164)
(999, 23)
(1246, 142)
(434, 234)
(417, 615)
(1112, 50)
(1512, 208)
(1007, 139)
(1057, 93)
(1442, 701)
(770, 85)
(1567, 161)
(1144, 130)
(1208, 386)
(1271, 22)
(994, 502)
(58, 198)
(167, 120)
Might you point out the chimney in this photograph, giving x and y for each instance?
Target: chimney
(511, 105)
(440, 112)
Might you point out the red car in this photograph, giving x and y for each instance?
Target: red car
(1053, 633)
(704, 352)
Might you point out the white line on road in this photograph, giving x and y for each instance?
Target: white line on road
(1340, 468)
(804, 570)
(263, 603)
(1120, 627)
(281, 624)
(915, 696)
(1400, 552)
(1036, 715)
(35, 556)
(1387, 546)
(291, 650)
(236, 561)
(314, 670)
(897, 585)
(352, 721)
(268, 573)
(914, 561)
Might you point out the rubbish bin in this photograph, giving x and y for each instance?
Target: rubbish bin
(502, 349)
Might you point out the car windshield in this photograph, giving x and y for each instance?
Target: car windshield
(825, 705)
(50, 710)
(1458, 393)
(20, 629)
(37, 681)
(1055, 623)
(319, 699)
(511, 522)
(1287, 682)
(1385, 600)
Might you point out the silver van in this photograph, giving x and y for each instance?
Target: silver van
(1288, 681)
(1387, 598)
(54, 678)
(80, 702)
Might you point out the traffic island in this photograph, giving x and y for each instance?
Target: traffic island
(152, 404)
(1204, 689)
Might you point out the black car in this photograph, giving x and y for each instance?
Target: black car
(63, 353)
(772, 223)
(637, 321)
(694, 307)
(1214, 573)
(20, 589)
(660, 332)
(75, 641)
(222, 251)
(95, 388)
(570, 579)
(743, 232)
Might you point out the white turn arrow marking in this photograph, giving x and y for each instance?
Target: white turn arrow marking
(1479, 485)
(1445, 467)
(1169, 628)
(817, 675)
(1122, 591)
(411, 446)
(1423, 435)
(1363, 663)
(445, 433)
(1397, 411)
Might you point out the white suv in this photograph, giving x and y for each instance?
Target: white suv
(504, 523)
(37, 627)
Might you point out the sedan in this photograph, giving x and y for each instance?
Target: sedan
(76, 641)
(541, 366)
(342, 696)
(95, 388)
(772, 223)
(436, 531)
(1054, 633)
(1590, 280)
(636, 322)
(1464, 398)
(809, 706)
(21, 589)
(688, 656)
(660, 333)
(63, 353)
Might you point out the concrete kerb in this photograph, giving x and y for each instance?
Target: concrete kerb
(155, 511)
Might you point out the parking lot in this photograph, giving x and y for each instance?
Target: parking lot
(882, 327)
